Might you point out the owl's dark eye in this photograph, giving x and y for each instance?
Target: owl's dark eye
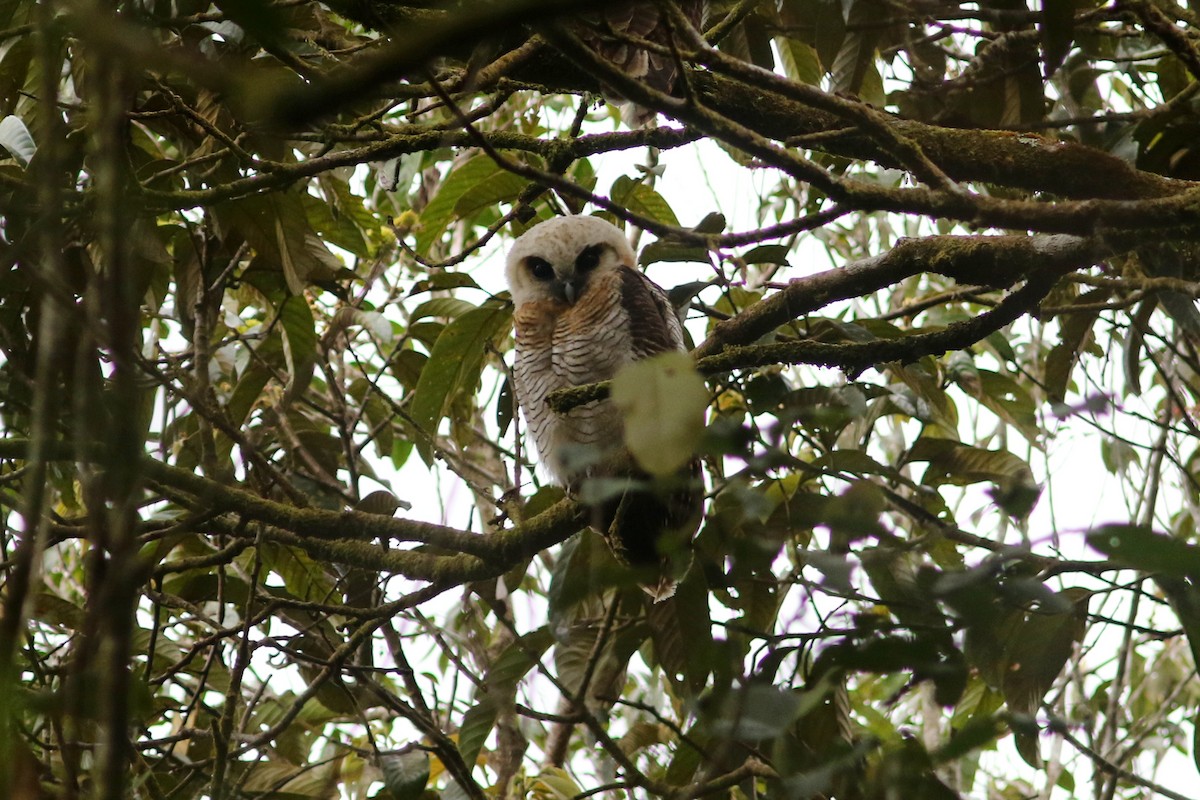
(588, 258)
(540, 268)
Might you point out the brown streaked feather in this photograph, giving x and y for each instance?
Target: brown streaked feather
(653, 326)
(639, 19)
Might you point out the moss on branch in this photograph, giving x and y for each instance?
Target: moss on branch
(997, 261)
(343, 537)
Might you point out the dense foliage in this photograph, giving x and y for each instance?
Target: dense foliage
(250, 312)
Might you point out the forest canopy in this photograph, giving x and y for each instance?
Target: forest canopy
(252, 320)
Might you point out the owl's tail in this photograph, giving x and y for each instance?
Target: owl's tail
(649, 526)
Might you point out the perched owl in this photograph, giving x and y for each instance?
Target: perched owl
(582, 312)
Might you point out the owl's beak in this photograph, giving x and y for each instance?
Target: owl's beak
(567, 290)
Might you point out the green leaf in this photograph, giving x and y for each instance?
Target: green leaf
(16, 139)
(1025, 738)
(448, 307)
(18, 65)
(681, 628)
(491, 191)
(662, 401)
(1057, 28)
(986, 642)
(641, 199)
(978, 733)
(280, 780)
(856, 56)
(498, 688)
(585, 568)
(756, 712)
(855, 514)
(643, 735)
(303, 577)
(853, 461)
(688, 757)
(894, 574)
(373, 322)
(1118, 455)
(712, 222)
(276, 226)
(454, 367)
(443, 279)
(1139, 547)
(517, 659)
(929, 399)
(443, 208)
(767, 254)
(1039, 648)
(668, 251)
(250, 385)
(505, 406)
(477, 724)
(338, 229)
(299, 343)
(584, 174)
(1075, 333)
(54, 610)
(871, 91)
(960, 465)
(405, 774)
(1010, 401)
(554, 783)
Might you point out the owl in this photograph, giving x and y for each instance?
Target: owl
(583, 311)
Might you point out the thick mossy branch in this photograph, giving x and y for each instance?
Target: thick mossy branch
(761, 113)
(499, 553)
(1004, 158)
(742, 95)
(1166, 203)
(781, 110)
(418, 37)
(311, 522)
(414, 139)
(856, 357)
(996, 261)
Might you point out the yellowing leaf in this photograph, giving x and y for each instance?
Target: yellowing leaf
(662, 400)
(555, 784)
(800, 60)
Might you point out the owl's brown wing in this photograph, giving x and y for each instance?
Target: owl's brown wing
(636, 520)
(653, 326)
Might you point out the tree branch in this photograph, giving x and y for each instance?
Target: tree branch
(332, 536)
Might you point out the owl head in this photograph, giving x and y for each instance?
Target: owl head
(557, 258)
